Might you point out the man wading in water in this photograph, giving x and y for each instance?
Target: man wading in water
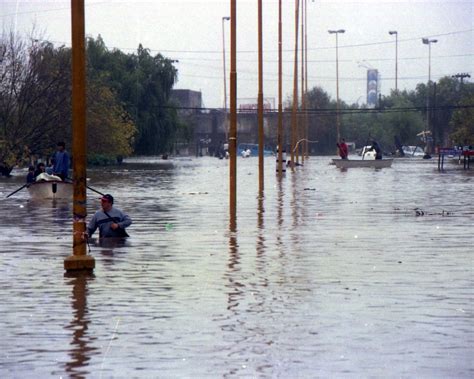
(110, 221)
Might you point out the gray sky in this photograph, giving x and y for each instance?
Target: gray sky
(191, 32)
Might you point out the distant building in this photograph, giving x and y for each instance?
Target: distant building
(189, 101)
(373, 88)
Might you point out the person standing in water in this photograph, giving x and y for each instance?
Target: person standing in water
(111, 221)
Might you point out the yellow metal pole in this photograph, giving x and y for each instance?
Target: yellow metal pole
(338, 121)
(226, 127)
(303, 78)
(295, 91)
(260, 103)
(79, 260)
(233, 111)
(306, 75)
(280, 93)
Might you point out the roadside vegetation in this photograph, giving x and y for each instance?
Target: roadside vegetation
(129, 110)
(398, 118)
(128, 101)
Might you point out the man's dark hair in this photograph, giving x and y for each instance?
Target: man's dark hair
(61, 143)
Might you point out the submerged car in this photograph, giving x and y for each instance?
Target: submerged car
(413, 151)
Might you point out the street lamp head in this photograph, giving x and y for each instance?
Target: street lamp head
(392, 32)
(336, 31)
(427, 41)
(227, 18)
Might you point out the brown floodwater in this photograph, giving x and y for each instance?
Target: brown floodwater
(360, 273)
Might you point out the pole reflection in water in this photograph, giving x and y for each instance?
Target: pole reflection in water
(261, 230)
(81, 345)
(279, 205)
(235, 294)
(234, 285)
(295, 204)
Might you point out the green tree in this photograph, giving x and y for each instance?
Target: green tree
(462, 122)
(143, 84)
(35, 105)
(322, 120)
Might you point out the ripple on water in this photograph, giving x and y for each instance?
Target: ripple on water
(362, 273)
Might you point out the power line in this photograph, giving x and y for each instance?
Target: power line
(331, 111)
(50, 10)
(273, 51)
(329, 60)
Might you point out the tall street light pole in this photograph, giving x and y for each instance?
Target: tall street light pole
(280, 92)
(306, 76)
(294, 119)
(226, 18)
(260, 101)
(338, 121)
(392, 32)
(427, 41)
(233, 116)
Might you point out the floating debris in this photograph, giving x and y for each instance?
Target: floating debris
(419, 212)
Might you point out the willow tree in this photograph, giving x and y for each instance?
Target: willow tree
(143, 83)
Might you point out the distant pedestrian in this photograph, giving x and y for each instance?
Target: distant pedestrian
(61, 161)
(343, 149)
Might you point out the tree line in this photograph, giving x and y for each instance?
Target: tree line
(128, 100)
(399, 118)
(130, 111)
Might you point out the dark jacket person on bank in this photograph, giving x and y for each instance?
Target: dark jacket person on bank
(111, 221)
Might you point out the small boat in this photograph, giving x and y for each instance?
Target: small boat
(51, 189)
(375, 163)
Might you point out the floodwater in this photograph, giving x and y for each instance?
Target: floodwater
(345, 274)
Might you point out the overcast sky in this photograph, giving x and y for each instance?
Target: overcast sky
(191, 32)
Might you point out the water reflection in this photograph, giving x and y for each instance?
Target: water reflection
(234, 286)
(329, 264)
(82, 348)
(260, 229)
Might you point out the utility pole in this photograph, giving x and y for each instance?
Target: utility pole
(294, 121)
(394, 32)
(260, 102)
(427, 41)
(461, 76)
(225, 77)
(79, 260)
(233, 115)
(280, 93)
(338, 121)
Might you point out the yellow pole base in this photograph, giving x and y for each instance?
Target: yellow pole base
(79, 262)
